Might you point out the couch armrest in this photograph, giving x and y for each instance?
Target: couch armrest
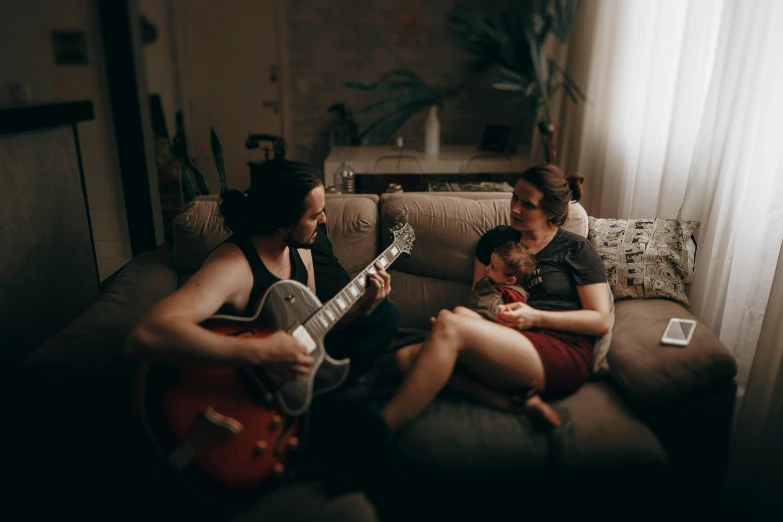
(650, 373)
(92, 344)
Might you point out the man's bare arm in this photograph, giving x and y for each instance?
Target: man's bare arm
(170, 332)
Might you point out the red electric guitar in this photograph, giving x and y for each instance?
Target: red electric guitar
(239, 426)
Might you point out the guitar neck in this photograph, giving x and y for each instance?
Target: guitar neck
(336, 308)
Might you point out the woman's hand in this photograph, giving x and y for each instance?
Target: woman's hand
(282, 356)
(378, 289)
(519, 316)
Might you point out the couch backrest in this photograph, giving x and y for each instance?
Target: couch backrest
(436, 275)
(351, 219)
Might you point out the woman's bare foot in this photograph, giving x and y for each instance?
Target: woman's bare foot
(535, 407)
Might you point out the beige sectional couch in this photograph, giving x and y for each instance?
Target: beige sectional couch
(651, 432)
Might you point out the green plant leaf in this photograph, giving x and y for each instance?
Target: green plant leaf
(187, 186)
(385, 130)
(568, 79)
(507, 86)
(201, 181)
(217, 156)
(387, 104)
(394, 80)
(563, 16)
(567, 88)
(404, 112)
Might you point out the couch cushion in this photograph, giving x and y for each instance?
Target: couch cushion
(81, 377)
(92, 345)
(486, 464)
(197, 231)
(601, 430)
(419, 297)
(447, 231)
(598, 429)
(352, 226)
(651, 373)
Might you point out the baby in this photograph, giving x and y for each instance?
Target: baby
(509, 263)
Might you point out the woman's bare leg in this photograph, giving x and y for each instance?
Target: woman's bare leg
(496, 353)
(406, 357)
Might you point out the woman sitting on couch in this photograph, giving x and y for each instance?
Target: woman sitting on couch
(543, 347)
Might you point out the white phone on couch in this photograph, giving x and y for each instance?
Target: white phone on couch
(679, 332)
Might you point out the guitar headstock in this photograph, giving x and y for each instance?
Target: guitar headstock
(403, 237)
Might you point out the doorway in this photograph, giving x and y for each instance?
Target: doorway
(230, 69)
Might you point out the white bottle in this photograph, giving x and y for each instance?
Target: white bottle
(432, 132)
(345, 178)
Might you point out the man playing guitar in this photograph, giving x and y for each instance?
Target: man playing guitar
(274, 227)
(278, 233)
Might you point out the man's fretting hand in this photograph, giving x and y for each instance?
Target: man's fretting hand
(378, 289)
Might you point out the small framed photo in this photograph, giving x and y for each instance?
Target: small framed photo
(496, 138)
(69, 47)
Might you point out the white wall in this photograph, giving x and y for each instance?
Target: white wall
(26, 57)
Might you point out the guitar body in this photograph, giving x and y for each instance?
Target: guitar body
(261, 424)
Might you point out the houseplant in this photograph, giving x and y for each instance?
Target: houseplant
(409, 95)
(509, 43)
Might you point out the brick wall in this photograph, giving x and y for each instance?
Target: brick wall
(331, 42)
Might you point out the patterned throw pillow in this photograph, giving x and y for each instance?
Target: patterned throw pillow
(646, 258)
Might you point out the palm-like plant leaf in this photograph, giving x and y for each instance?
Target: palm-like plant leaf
(414, 95)
(398, 119)
(562, 17)
(513, 39)
(388, 104)
(217, 155)
(187, 185)
(572, 84)
(403, 112)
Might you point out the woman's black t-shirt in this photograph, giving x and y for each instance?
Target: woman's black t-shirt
(567, 261)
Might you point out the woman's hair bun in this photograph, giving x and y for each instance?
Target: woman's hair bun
(575, 184)
(234, 208)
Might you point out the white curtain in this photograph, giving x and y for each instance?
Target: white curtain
(685, 120)
(756, 467)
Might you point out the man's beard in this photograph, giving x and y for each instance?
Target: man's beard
(292, 243)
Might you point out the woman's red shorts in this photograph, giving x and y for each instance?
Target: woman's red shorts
(567, 359)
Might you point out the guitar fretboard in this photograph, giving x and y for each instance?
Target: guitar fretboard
(330, 314)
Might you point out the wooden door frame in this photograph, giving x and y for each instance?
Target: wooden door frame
(120, 27)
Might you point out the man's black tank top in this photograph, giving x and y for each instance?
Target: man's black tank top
(262, 277)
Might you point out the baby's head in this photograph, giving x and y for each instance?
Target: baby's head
(509, 263)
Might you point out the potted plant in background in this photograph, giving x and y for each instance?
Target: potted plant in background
(510, 43)
(410, 94)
